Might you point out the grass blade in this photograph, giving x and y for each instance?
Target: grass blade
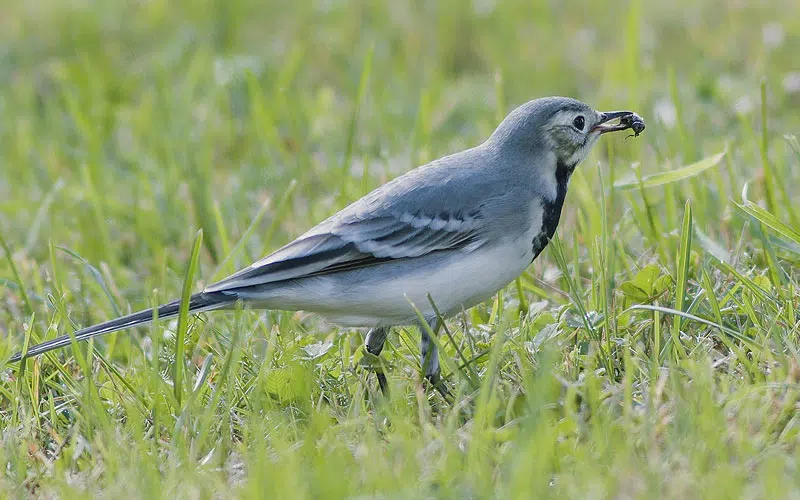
(280, 210)
(25, 344)
(10, 257)
(791, 208)
(770, 220)
(44, 208)
(769, 183)
(684, 253)
(445, 360)
(679, 174)
(351, 134)
(97, 275)
(183, 318)
(684, 315)
(223, 266)
(577, 300)
(472, 377)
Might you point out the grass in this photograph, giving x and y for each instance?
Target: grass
(651, 350)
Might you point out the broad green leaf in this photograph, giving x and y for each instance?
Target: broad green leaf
(673, 175)
(661, 284)
(640, 287)
(648, 284)
(289, 385)
(370, 361)
(633, 292)
(279, 384)
(763, 282)
(647, 276)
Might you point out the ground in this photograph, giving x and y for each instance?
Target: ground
(651, 351)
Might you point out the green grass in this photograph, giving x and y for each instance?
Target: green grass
(652, 350)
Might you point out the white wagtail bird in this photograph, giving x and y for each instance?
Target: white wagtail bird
(455, 230)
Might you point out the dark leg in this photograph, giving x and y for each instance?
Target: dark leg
(374, 345)
(429, 353)
(375, 340)
(430, 359)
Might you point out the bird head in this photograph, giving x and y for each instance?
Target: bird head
(562, 127)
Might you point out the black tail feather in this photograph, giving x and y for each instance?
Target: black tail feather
(198, 302)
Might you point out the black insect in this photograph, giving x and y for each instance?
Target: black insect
(633, 122)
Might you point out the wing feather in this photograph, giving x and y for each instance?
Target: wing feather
(341, 245)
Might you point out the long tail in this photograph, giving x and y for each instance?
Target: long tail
(197, 303)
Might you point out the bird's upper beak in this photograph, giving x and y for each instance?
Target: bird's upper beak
(603, 126)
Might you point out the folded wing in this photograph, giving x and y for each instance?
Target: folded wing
(344, 244)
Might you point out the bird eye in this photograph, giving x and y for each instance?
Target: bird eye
(579, 122)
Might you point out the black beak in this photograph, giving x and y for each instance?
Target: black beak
(626, 118)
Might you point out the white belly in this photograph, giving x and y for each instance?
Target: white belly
(382, 295)
(453, 287)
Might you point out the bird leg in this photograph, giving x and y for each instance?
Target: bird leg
(374, 342)
(429, 353)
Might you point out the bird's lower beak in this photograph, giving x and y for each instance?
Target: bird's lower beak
(603, 126)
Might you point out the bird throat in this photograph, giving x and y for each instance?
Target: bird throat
(551, 208)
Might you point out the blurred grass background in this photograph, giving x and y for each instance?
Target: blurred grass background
(127, 126)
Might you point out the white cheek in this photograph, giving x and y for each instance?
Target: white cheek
(581, 154)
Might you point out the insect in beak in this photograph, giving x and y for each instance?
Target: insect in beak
(627, 120)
